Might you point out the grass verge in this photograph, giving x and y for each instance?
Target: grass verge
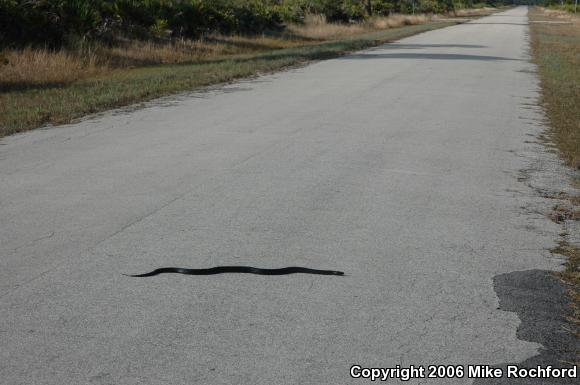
(556, 51)
(24, 106)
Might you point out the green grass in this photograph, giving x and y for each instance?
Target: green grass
(24, 109)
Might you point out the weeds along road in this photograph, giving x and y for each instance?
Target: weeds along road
(395, 165)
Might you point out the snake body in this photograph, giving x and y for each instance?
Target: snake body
(238, 269)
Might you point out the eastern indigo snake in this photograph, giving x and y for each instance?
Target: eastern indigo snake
(238, 269)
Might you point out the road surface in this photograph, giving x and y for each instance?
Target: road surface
(397, 165)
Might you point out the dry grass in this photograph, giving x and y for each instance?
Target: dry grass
(396, 21)
(42, 66)
(137, 53)
(475, 12)
(561, 213)
(37, 67)
(571, 275)
(316, 26)
(556, 49)
(554, 12)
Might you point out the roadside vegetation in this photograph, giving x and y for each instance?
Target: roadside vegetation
(569, 6)
(58, 22)
(571, 275)
(556, 50)
(41, 87)
(62, 59)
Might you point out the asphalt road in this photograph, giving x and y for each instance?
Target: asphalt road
(397, 165)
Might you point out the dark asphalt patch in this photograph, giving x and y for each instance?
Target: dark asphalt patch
(540, 301)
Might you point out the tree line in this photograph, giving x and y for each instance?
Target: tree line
(57, 22)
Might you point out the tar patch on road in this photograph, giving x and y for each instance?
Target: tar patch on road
(540, 301)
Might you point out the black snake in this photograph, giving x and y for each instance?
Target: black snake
(237, 269)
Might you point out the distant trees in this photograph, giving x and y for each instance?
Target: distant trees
(55, 22)
(569, 5)
(58, 22)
